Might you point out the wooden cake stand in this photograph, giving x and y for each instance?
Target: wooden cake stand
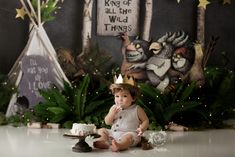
(81, 145)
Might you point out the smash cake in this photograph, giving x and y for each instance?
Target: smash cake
(83, 129)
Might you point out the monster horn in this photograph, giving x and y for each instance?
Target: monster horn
(163, 38)
(179, 38)
(172, 37)
(183, 41)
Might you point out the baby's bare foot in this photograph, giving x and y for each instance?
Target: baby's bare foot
(115, 146)
(101, 145)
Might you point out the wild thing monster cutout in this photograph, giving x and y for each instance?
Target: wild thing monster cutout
(164, 61)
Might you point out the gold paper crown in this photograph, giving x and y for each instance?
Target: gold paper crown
(126, 80)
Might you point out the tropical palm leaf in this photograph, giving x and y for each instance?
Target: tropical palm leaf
(165, 106)
(56, 110)
(148, 110)
(178, 107)
(153, 93)
(80, 96)
(76, 103)
(188, 91)
(93, 105)
(7, 89)
(55, 97)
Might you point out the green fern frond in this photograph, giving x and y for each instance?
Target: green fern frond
(178, 91)
(178, 107)
(154, 93)
(213, 76)
(149, 111)
(57, 118)
(188, 91)
(93, 105)
(227, 85)
(7, 89)
(68, 89)
(47, 9)
(54, 96)
(80, 96)
(56, 110)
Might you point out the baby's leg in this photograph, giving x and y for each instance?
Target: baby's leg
(103, 141)
(125, 142)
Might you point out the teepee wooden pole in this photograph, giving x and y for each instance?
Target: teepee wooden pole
(32, 9)
(39, 13)
(28, 12)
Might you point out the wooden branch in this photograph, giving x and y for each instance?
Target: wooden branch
(148, 19)
(196, 71)
(209, 49)
(201, 26)
(87, 24)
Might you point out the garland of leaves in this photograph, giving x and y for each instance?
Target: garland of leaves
(48, 9)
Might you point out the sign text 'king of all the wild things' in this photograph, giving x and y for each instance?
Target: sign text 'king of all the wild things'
(117, 16)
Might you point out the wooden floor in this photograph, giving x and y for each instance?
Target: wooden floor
(25, 142)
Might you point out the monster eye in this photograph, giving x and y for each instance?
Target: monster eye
(137, 46)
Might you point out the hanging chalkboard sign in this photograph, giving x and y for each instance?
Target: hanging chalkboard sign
(115, 16)
(37, 74)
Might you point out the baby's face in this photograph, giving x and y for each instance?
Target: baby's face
(123, 98)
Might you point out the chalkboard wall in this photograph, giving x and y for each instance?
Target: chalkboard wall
(65, 30)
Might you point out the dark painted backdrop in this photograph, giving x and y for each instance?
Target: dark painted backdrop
(65, 30)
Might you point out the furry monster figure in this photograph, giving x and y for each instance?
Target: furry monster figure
(181, 60)
(159, 65)
(135, 54)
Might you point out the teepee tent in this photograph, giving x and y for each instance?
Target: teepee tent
(37, 66)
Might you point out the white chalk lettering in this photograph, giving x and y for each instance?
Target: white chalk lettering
(32, 62)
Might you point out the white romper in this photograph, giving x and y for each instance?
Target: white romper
(126, 121)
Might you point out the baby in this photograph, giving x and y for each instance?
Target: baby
(128, 121)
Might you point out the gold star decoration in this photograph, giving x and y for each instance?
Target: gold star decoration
(226, 2)
(203, 3)
(20, 13)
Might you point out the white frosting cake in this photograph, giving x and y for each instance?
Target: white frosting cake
(83, 129)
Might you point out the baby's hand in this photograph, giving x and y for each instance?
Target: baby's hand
(119, 107)
(140, 131)
(116, 109)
